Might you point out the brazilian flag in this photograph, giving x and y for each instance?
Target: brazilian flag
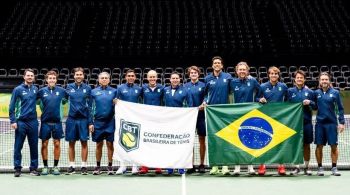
(252, 133)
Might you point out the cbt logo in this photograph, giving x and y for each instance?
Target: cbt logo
(129, 135)
(255, 133)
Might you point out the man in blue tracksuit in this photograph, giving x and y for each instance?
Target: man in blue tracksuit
(129, 92)
(176, 95)
(300, 93)
(23, 118)
(79, 121)
(51, 99)
(196, 90)
(217, 87)
(244, 89)
(152, 93)
(328, 101)
(103, 120)
(273, 91)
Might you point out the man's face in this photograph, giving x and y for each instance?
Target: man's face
(299, 79)
(51, 80)
(103, 80)
(29, 77)
(217, 65)
(324, 81)
(194, 75)
(273, 76)
(152, 78)
(175, 79)
(242, 71)
(79, 76)
(130, 77)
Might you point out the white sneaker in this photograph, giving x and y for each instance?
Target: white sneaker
(237, 170)
(121, 170)
(225, 170)
(134, 170)
(251, 170)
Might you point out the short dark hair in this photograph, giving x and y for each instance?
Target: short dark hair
(28, 70)
(77, 69)
(174, 72)
(129, 71)
(195, 68)
(299, 72)
(217, 58)
(51, 72)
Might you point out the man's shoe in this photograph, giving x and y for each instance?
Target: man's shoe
(214, 170)
(34, 172)
(110, 170)
(320, 171)
(307, 171)
(201, 169)
(296, 171)
(225, 170)
(18, 173)
(281, 170)
(170, 171)
(181, 171)
(190, 171)
(262, 169)
(134, 170)
(56, 171)
(335, 171)
(251, 170)
(97, 171)
(237, 170)
(158, 171)
(84, 171)
(70, 171)
(143, 170)
(45, 171)
(121, 170)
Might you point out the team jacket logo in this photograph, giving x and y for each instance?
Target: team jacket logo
(255, 133)
(129, 135)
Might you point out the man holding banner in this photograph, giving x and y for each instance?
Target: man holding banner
(300, 93)
(176, 95)
(130, 92)
(217, 85)
(244, 89)
(273, 91)
(196, 90)
(152, 95)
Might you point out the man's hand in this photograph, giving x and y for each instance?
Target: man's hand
(14, 125)
(341, 128)
(262, 100)
(306, 102)
(91, 128)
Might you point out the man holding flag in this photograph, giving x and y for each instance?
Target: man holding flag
(300, 93)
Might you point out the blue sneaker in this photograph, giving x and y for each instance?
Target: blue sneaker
(181, 171)
(170, 171)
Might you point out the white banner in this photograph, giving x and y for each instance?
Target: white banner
(154, 136)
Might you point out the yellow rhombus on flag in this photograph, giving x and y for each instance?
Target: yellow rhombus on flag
(279, 133)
